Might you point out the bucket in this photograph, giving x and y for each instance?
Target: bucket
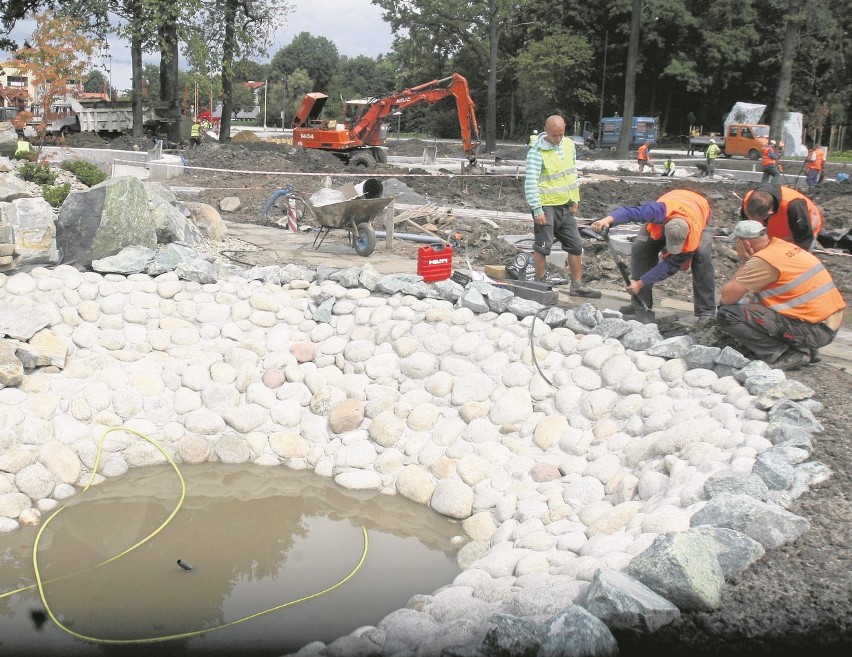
(435, 262)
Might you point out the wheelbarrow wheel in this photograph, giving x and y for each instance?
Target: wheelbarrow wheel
(365, 241)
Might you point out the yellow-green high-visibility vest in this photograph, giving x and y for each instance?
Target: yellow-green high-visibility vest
(558, 184)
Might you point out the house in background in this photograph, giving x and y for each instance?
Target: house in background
(16, 87)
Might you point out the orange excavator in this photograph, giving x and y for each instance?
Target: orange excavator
(358, 138)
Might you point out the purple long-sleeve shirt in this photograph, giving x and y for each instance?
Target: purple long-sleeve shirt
(652, 213)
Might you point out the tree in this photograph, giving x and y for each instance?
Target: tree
(624, 137)
(316, 55)
(57, 57)
(792, 20)
(95, 82)
(243, 99)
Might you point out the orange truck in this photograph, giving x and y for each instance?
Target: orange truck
(746, 139)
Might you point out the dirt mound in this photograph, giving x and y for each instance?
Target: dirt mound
(244, 136)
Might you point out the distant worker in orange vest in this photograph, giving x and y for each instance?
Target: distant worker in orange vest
(676, 236)
(769, 162)
(787, 214)
(644, 158)
(798, 308)
(816, 165)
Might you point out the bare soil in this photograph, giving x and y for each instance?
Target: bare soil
(798, 598)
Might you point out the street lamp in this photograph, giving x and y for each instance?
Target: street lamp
(398, 115)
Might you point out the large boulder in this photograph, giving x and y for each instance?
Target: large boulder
(8, 139)
(33, 230)
(101, 221)
(208, 220)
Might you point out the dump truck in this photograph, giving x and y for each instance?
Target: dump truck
(102, 116)
(358, 137)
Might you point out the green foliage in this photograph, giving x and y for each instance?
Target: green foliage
(37, 173)
(30, 156)
(86, 172)
(55, 196)
(316, 55)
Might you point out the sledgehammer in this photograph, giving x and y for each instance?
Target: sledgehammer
(643, 313)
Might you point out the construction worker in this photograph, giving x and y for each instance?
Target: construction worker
(798, 308)
(769, 162)
(816, 164)
(643, 157)
(669, 168)
(552, 191)
(533, 139)
(195, 134)
(711, 154)
(23, 148)
(676, 236)
(787, 214)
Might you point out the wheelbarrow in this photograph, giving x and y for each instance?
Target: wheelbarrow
(352, 215)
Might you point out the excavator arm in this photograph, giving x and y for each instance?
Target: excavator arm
(367, 127)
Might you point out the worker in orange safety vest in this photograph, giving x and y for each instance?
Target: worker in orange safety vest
(769, 162)
(816, 166)
(798, 308)
(643, 157)
(787, 214)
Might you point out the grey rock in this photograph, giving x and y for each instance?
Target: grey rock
(576, 633)
(512, 636)
(587, 314)
(32, 223)
(323, 312)
(699, 356)
(348, 278)
(736, 483)
(787, 389)
(198, 270)
(473, 299)
(775, 471)
(754, 368)
(130, 260)
(626, 604)
(12, 188)
(795, 413)
(100, 221)
(498, 299)
(523, 307)
(732, 358)
(169, 257)
(734, 550)
(171, 225)
(11, 368)
(571, 322)
(369, 277)
(324, 272)
(674, 347)
(448, 289)
(683, 568)
(291, 272)
(554, 317)
(641, 336)
(268, 274)
(612, 327)
(759, 383)
(464, 651)
(393, 283)
(770, 526)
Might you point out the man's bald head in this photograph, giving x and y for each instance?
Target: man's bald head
(555, 129)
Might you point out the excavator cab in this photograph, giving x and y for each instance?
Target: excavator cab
(309, 111)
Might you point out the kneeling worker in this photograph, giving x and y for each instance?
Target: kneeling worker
(799, 308)
(675, 237)
(22, 147)
(786, 214)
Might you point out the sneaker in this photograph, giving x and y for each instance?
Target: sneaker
(580, 290)
(792, 359)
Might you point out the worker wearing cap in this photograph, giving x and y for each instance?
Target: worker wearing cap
(675, 236)
(769, 162)
(711, 154)
(195, 134)
(669, 168)
(798, 308)
(552, 191)
(786, 214)
(533, 139)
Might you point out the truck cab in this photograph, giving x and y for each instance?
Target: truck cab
(746, 139)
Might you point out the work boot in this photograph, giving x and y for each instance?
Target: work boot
(792, 359)
(580, 290)
(627, 310)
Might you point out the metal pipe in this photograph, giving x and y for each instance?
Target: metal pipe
(412, 237)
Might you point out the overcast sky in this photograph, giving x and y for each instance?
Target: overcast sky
(354, 26)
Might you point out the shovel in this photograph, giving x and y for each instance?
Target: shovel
(644, 315)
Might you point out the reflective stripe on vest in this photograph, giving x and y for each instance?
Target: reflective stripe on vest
(195, 131)
(766, 160)
(557, 183)
(804, 289)
(818, 161)
(778, 224)
(687, 205)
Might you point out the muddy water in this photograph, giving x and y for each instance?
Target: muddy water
(256, 538)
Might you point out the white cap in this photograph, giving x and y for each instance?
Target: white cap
(712, 141)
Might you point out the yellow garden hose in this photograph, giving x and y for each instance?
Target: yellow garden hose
(40, 584)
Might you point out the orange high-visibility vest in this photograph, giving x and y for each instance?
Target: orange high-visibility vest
(804, 289)
(687, 205)
(819, 160)
(643, 152)
(765, 159)
(778, 224)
